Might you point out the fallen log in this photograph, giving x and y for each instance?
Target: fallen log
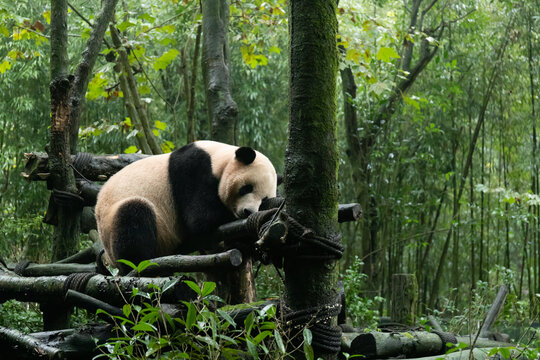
(16, 345)
(410, 344)
(94, 167)
(77, 344)
(168, 265)
(56, 269)
(113, 290)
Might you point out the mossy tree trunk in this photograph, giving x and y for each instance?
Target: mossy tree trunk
(67, 95)
(61, 178)
(312, 155)
(236, 286)
(222, 110)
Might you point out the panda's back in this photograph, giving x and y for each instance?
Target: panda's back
(148, 179)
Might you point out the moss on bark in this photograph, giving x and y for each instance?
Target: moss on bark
(312, 156)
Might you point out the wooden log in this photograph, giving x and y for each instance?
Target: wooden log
(87, 255)
(113, 290)
(56, 269)
(88, 219)
(468, 354)
(87, 302)
(99, 168)
(77, 344)
(411, 344)
(382, 345)
(349, 212)
(167, 265)
(16, 345)
(494, 311)
(404, 298)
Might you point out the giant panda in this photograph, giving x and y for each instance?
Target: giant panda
(172, 203)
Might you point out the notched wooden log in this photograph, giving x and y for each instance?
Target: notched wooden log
(113, 290)
(98, 168)
(167, 265)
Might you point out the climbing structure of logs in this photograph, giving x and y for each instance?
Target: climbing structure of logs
(83, 281)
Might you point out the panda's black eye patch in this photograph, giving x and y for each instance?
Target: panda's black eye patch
(246, 189)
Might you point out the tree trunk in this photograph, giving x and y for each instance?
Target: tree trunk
(312, 156)
(134, 92)
(66, 233)
(222, 110)
(191, 125)
(468, 161)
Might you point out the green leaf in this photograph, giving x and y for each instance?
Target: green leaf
(193, 286)
(191, 315)
(6, 65)
(274, 49)
(353, 55)
(227, 317)
(308, 336)
(248, 323)
(127, 262)
(252, 349)
(160, 125)
(143, 327)
(126, 309)
(131, 150)
(386, 53)
(47, 16)
(279, 341)
(147, 17)
(261, 336)
(308, 351)
(4, 31)
(123, 26)
(164, 60)
(144, 264)
(505, 352)
(208, 287)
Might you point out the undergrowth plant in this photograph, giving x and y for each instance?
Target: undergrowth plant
(362, 311)
(204, 331)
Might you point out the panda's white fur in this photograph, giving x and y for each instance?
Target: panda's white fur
(171, 203)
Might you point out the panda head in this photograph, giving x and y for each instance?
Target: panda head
(246, 180)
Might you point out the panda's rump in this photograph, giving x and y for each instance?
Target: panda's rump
(141, 187)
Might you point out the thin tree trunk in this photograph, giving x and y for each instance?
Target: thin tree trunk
(134, 92)
(191, 126)
(312, 156)
(487, 97)
(222, 109)
(67, 96)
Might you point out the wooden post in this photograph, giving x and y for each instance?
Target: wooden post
(404, 298)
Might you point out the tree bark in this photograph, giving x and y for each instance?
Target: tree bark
(66, 233)
(113, 290)
(468, 161)
(99, 167)
(312, 156)
(134, 92)
(191, 125)
(222, 110)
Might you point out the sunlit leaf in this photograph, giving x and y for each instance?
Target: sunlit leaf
(131, 150)
(386, 54)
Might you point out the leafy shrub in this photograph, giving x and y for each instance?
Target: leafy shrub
(145, 331)
(362, 311)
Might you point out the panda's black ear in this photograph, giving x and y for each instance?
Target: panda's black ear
(245, 155)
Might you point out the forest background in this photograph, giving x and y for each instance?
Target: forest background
(437, 131)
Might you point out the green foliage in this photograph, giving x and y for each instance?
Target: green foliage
(204, 332)
(362, 310)
(25, 317)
